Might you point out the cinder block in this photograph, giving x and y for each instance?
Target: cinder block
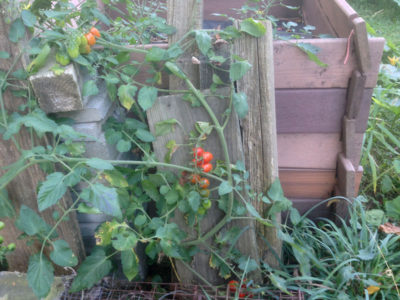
(101, 149)
(57, 93)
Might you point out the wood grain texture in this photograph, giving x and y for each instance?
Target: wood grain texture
(308, 150)
(259, 127)
(307, 183)
(355, 94)
(317, 110)
(352, 141)
(174, 107)
(361, 44)
(346, 184)
(22, 190)
(338, 15)
(293, 69)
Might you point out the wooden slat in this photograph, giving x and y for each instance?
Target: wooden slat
(259, 129)
(293, 69)
(352, 141)
(359, 174)
(303, 205)
(346, 183)
(361, 44)
(317, 110)
(313, 15)
(308, 150)
(355, 94)
(307, 183)
(338, 15)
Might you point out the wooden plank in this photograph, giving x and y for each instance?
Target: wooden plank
(352, 141)
(355, 94)
(308, 150)
(227, 7)
(338, 15)
(293, 69)
(313, 15)
(316, 110)
(22, 190)
(259, 128)
(359, 174)
(317, 209)
(307, 183)
(346, 180)
(361, 44)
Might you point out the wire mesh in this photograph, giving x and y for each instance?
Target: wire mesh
(123, 290)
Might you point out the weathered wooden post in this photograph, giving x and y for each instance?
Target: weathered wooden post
(22, 190)
(259, 128)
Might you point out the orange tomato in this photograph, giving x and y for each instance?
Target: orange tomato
(95, 32)
(90, 38)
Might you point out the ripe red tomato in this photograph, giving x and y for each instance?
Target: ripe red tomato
(90, 38)
(207, 167)
(198, 162)
(207, 157)
(197, 152)
(233, 284)
(204, 183)
(194, 178)
(95, 32)
(242, 295)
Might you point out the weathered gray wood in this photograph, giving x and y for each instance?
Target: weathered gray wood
(174, 107)
(185, 15)
(259, 128)
(346, 176)
(361, 44)
(22, 190)
(352, 141)
(355, 94)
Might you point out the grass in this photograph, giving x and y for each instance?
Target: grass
(382, 15)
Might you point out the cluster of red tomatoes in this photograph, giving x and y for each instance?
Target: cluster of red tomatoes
(233, 286)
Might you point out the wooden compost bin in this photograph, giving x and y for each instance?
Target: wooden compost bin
(322, 112)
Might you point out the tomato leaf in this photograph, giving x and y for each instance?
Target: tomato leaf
(30, 222)
(224, 188)
(194, 200)
(116, 179)
(130, 264)
(144, 135)
(62, 254)
(17, 30)
(124, 240)
(240, 104)
(155, 54)
(203, 41)
(165, 127)
(28, 18)
(100, 164)
(6, 208)
(126, 94)
(40, 275)
(147, 96)
(253, 27)
(123, 146)
(311, 52)
(51, 190)
(103, 198)
(4, 55)
(238, 69)
(90, 88)
(93, 268)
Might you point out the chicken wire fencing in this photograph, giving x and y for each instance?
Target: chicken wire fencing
(109, 289)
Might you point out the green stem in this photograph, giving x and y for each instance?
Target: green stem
(220, 132)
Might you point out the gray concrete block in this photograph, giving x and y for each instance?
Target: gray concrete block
(57, 93)
(14, 286)
(97, 109)
(101, 149)
(93, 130)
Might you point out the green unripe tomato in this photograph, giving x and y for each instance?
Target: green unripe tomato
(11, 247)
(62, 58)
(201, 211)
(2, 225)
(206, 204)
